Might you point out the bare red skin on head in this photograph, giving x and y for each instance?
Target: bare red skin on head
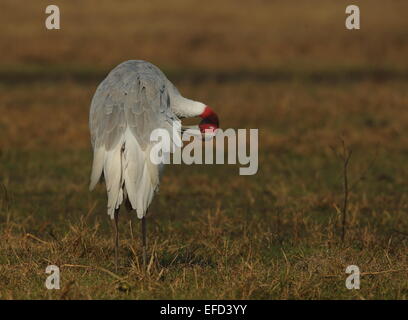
(210, 120)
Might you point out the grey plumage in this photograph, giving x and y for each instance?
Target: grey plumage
(136, 94)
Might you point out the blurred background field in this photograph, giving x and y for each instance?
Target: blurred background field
(289, 68)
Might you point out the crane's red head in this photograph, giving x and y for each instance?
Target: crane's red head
(210, 120)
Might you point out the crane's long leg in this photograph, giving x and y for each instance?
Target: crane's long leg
(144, 236)
(116, 238)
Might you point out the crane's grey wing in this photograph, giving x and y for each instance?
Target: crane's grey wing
(134, 99)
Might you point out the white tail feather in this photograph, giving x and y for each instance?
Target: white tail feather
(97, 166)
(112, 171)
(140, 175)
(128, 172)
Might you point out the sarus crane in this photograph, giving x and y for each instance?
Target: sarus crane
(132, 101)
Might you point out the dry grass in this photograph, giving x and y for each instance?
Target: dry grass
(290, 70)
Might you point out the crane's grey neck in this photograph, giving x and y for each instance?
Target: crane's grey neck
(186, 108)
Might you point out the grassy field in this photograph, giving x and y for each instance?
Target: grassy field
(290, 69)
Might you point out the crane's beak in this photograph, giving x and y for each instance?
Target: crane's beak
(207, 127)
(210, 121)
